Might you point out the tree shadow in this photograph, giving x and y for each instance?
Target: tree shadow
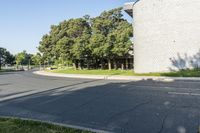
(9, 72)
(5, 84)
(184, 62)
(13, 94)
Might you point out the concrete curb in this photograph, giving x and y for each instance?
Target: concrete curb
(44, 73)
(110, 77)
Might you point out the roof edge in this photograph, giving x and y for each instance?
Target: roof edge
(128, 7)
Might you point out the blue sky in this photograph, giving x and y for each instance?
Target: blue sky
(23, 22)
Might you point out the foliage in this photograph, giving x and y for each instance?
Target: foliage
(91, 41)
(36, 59)
(23, 58)
(6, 57)
(25, 126)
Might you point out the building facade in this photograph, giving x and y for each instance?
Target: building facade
(166, 34)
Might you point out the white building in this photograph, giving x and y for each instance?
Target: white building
(166, 34)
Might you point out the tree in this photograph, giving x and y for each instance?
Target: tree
(86, 40)
(21, 58)
(97, 42)
(109, 37)
(79, 30)
(1, 56)
(6, 57)
(36, 59)
(46, 48)
(63, 47)
(66, 41)
(120, 37)
(10, 59)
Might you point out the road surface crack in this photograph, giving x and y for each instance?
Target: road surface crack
(127, 111)
(165, 118)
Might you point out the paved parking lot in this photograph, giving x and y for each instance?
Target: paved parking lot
(112, 106)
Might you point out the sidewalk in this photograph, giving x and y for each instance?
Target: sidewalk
(116, 77)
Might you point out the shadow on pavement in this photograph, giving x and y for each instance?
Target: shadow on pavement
(13, 94)
(142, 106)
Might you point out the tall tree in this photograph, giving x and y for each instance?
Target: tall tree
(46, 48)
(120, 38)
(109, 26)
(1, 56)
(85, 40)
(23, 58)
(78, 31)
(36, 59)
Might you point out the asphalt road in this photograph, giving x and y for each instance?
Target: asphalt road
(113, 106)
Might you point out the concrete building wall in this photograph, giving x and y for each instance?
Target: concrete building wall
(166, 35)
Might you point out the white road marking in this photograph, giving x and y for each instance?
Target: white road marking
(165, 87)
(184, 93)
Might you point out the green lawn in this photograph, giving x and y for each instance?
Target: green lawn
(24, 126)
(183, 73)
(6, 70)
(93, 72)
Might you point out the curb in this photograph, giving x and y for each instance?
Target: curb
(44, 73)
(110, 77)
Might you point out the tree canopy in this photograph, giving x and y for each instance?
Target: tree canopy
(6, 57)
(23, 58)
(88, 41)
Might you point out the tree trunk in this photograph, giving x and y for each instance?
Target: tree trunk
(80, 64)
(88, 65)
(29, 64)
(96, 63)
(43, 65)
(75, 64)
(48, 64)
(40, 66)
(102, 64)
(115, 64)
(68, 64)
(0, 63)
(127, 67)
(109, 64)
(122, 66)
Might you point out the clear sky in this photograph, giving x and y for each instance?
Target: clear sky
(23, 22)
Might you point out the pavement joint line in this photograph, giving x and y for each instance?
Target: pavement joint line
(59, 124)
